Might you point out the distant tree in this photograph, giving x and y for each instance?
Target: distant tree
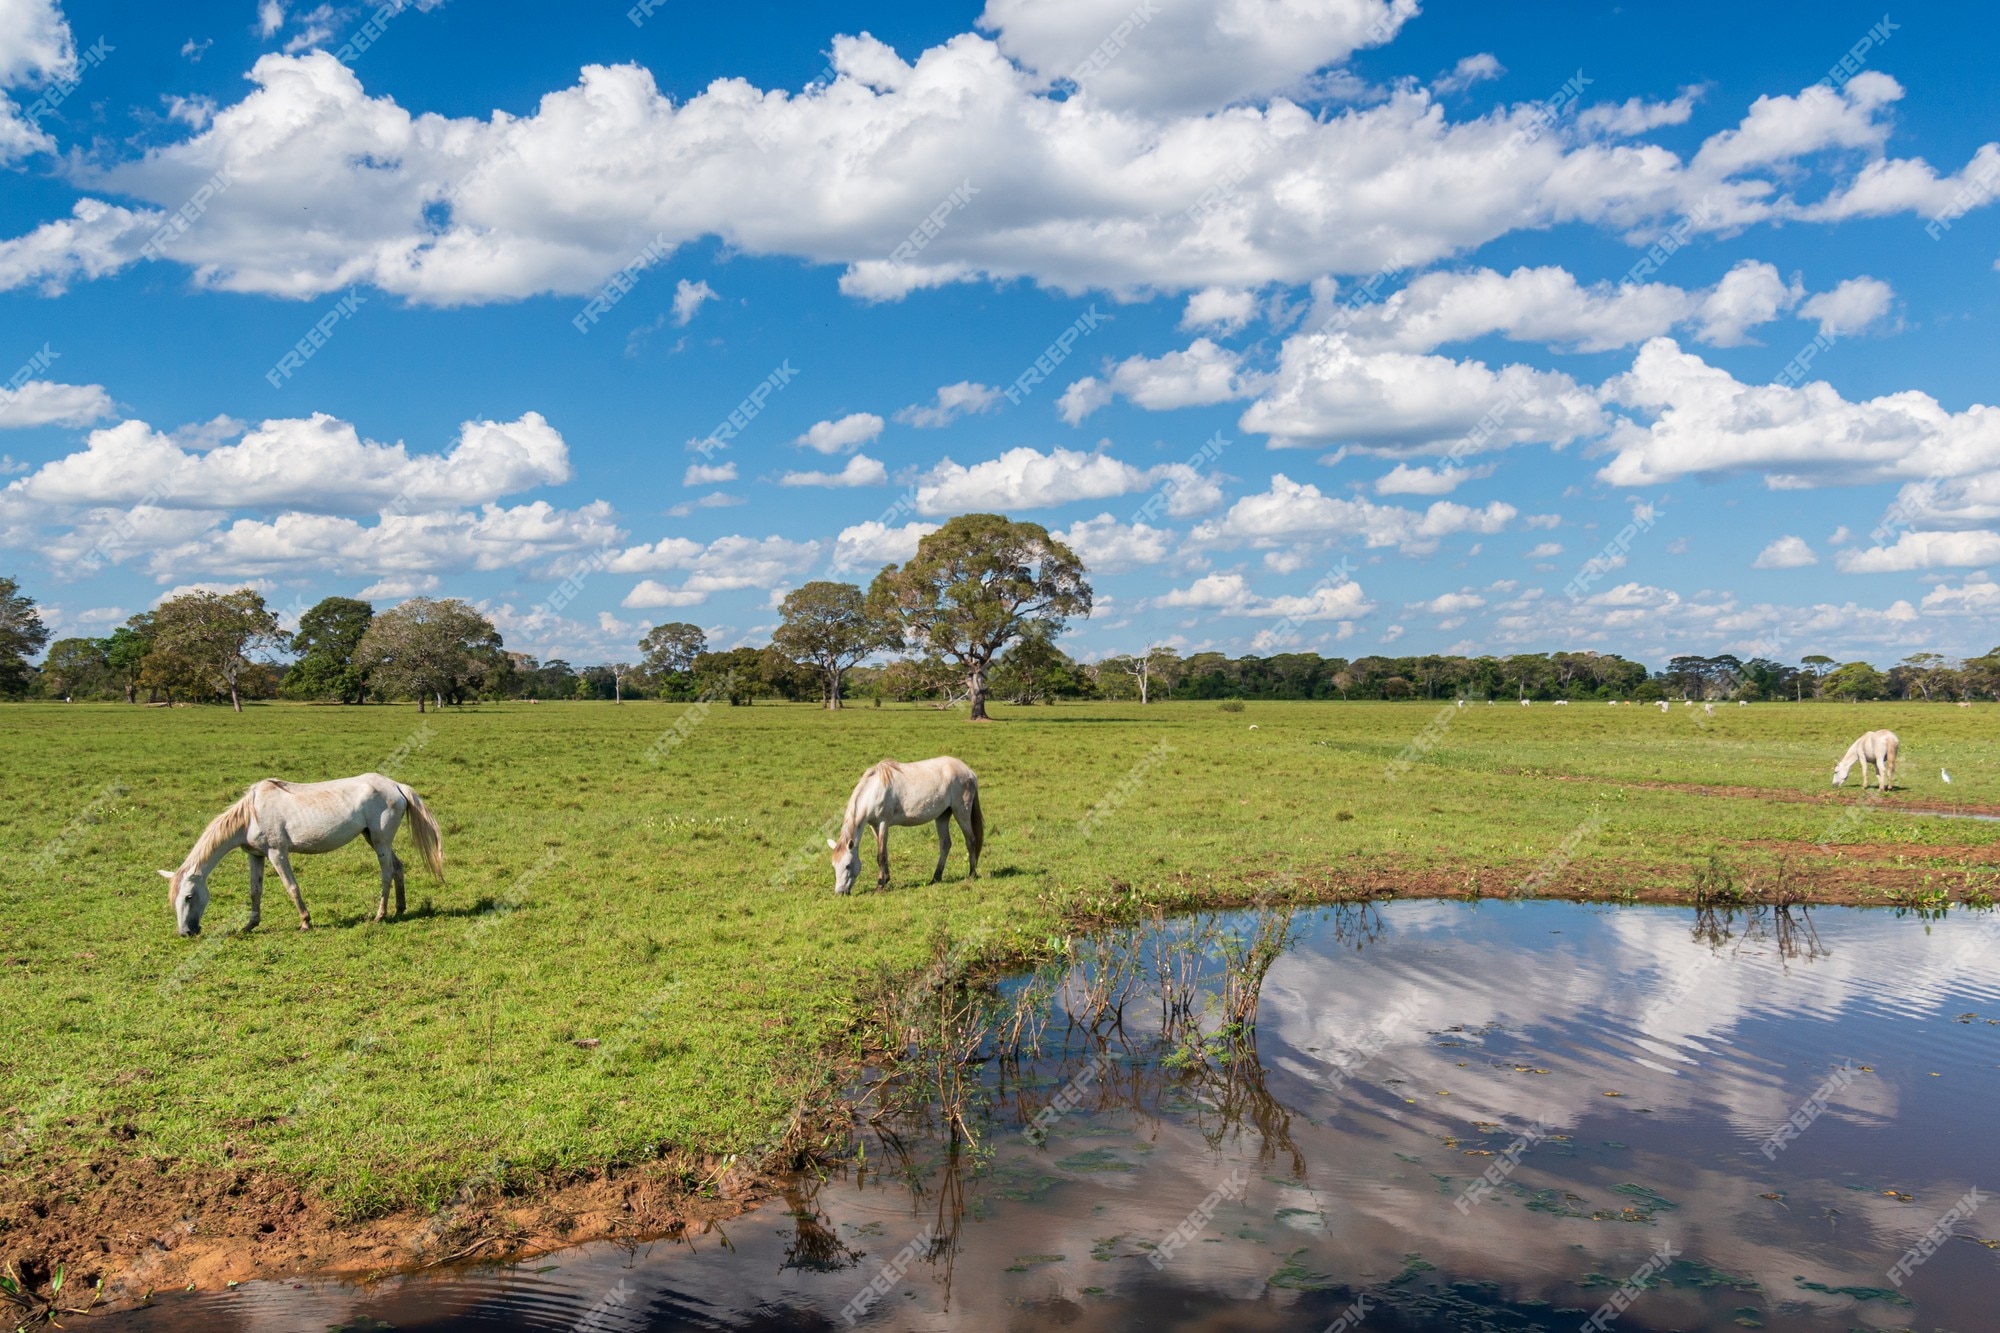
(736, 675)
(328, 636)
(1035, 671)
(1816, 668)
(212, 636)
(910, 679)
(22, 635)
(1930, 674)
(125, 653)
(74, 666)
(429, 648)
(667, 656)
(1159, 665)
(974, 586)
(1855, 681)
(827, 627)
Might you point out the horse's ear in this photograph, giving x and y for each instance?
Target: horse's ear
(832, 846)
(166, 874)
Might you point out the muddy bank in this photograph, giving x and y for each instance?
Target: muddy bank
(142, 1223)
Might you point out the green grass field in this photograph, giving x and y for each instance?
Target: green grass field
(383, 1066)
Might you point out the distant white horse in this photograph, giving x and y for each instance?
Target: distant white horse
(1708, 710)
(1665, 706)
(274, 819)
(892, 795)
(1873, 747)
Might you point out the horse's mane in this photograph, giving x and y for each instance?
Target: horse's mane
(222, 828)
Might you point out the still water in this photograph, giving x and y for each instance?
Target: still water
(1452, 1116)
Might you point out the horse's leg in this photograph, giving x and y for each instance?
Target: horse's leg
(881, 856)
(971, 843)
(385, 861)
(281, 862)
(256, 891)
(396, 864)
(944, 844)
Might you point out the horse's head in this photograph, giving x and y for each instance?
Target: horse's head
(187, 895)
(846, 864)
(1840, 773)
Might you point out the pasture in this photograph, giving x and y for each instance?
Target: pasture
(630, 958)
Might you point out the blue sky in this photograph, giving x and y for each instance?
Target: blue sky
(1304, 249)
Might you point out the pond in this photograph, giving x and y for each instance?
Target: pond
(1520, 1115)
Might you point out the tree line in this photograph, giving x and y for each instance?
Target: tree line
(973, 616)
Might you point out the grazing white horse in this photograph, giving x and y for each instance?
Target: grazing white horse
(892, 795)
(1665, 706)
(1708, 710)
(274, 819)
(1876, 747)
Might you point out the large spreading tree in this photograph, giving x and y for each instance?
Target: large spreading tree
(22, 635)
(669, 652)
(328, 637)
(974, 586)
(828, 626)
(428, 647)
(213, 634)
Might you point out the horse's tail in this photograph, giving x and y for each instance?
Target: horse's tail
(424, 832)
(977, 837)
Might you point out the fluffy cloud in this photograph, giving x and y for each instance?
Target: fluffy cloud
(494, 538)
(1403, 479)
(1231, 595)
(1785, 553)
(318, 464)
(953, 401)
(1205, 373)
(1923, 550)
(1470, 70)
(1327, 390)
(1102, 194)
(708, 474)
(1223, 309)
(35, 48)
(849, 432)
(1850, 307)
(1123, 55)
(1704, 420)
(724, 565)
(1292, 511)
(861, 470)
(1110, 547)
(869, 546)
(44, 403)
(1025, 478)
(689, 297)
(1750, 294)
